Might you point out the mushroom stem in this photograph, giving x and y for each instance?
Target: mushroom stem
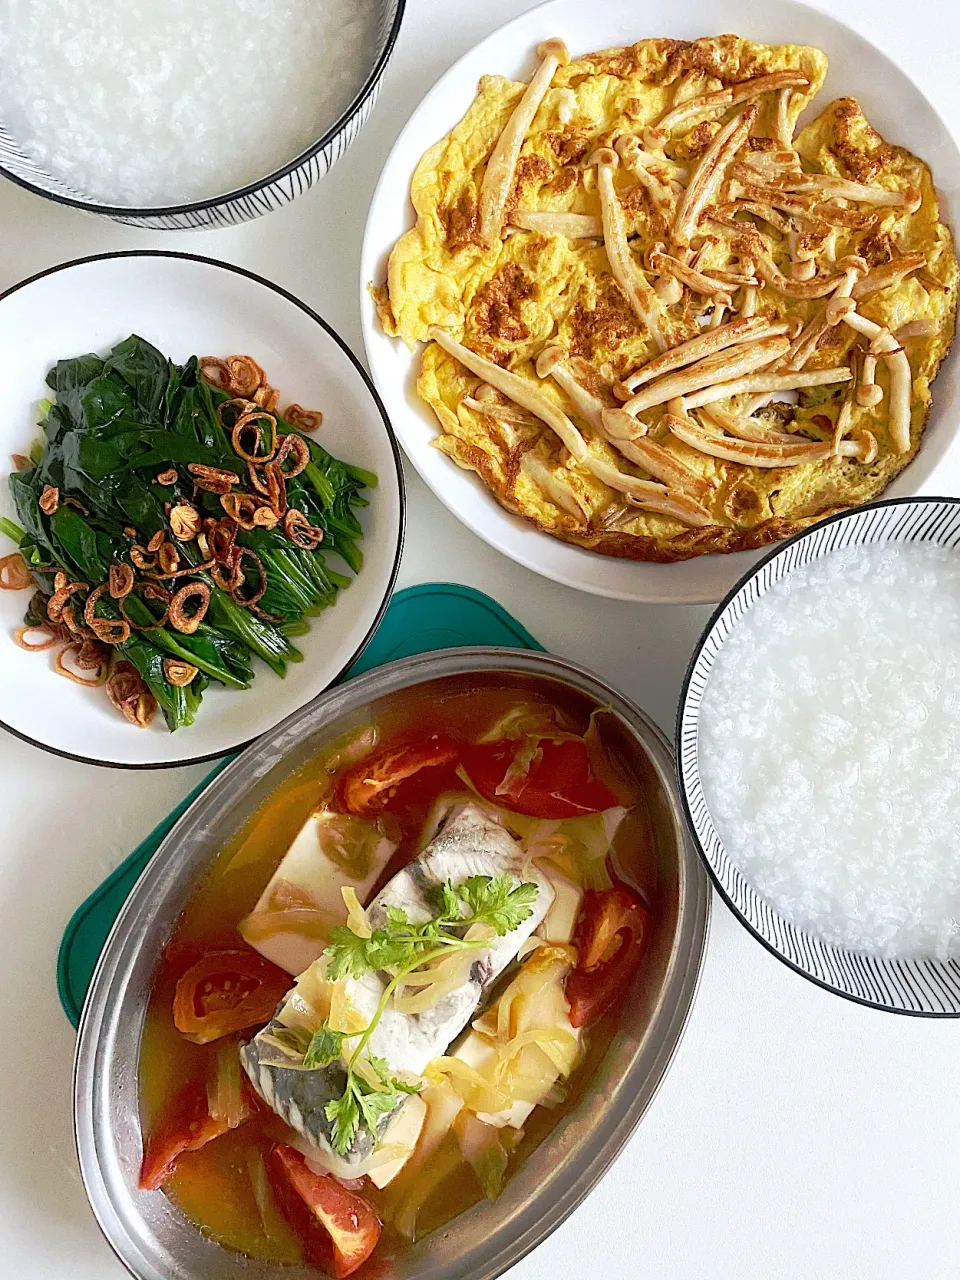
(502, 163)
(640, 294)
(750, 329)
(709, 173)
(766, 382)
(883, 343)
(720, 367)
(721, 99)
(748, 453)
(575, 226)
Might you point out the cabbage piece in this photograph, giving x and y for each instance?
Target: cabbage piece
(487, 1150)
(432, 1161)
(225, 1091)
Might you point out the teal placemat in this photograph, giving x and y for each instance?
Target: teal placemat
(434, 615)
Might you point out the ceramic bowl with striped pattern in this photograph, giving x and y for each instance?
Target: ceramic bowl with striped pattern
(270, 192)
(927, 987)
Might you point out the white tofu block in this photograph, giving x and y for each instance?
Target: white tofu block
(476, 1052)
(404, 1131)
(312, 868)
(561, 920)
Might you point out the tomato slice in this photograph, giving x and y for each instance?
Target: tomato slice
(611, 939)
(185, 1124)
(227, 991)
(558, 783)
(395, 772)
(337, 1228)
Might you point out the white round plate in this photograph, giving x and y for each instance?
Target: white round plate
(187, 306)
(892, 102)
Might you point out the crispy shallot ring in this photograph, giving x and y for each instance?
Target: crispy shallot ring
(140, 558)
(21, 462)
(240, 507)
(300, 531)
(245, 375)
(49, 499)
(265, 518)
(292, 444)
(120, 580)
(61, 669)
(247, 602)
(179, 618)
(231, 411)
(182, 571)
(69, 621)
(498, 177)
(178, 673)
(257, 481)
(128, 692)
(91, 655)
(221, 535)
(267, 397)
(224, 581)
(168, 558)
(215, 371)
(41, 628)
(262, 613)
(168, 477)
(276, 489)
(250, 421)
(15, 575)
(185, 522)
(63, 590)
(157, 540)
(212, 479)
(302, 419)
(107, 630)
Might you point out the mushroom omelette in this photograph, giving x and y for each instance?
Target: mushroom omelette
(660, 325)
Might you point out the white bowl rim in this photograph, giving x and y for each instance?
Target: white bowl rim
(780, 548)
(356, 104)
(328, 329)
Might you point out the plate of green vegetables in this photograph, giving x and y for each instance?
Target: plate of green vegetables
(201, 508)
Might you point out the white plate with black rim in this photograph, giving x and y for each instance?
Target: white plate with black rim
(187, 305)
(892, 102)
(927, 987)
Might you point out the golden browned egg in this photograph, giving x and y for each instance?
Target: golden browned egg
(814, 267)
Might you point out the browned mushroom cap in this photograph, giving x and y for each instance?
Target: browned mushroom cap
(721, 99)
(517, 389)
(640, 294)
(733, 362)
(746, 452)
(574, 226)
(708, 175)
(501, 167)
(766, 382)
(888, 273)
(908, 199)
(705, 344)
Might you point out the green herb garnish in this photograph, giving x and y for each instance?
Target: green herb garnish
(402, 947)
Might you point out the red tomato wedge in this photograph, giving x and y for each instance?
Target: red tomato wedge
(185, 1124)
(400, 771)
(337, 1228)
(227, 991)
(558, 783)
(611, 939)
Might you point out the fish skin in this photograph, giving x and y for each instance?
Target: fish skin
(470, 842)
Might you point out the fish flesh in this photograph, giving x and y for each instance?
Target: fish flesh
(471, 842)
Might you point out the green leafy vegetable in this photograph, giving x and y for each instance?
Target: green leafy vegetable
(115, 425)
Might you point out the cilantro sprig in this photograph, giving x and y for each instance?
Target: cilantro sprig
(401, 946)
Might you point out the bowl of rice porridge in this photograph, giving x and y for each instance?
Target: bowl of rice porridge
(190, 113)
(819, 753)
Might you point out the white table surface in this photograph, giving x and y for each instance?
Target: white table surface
(796, 1137)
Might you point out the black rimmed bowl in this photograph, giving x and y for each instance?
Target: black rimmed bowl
(275, 189)
(926, 986)
(187, 305)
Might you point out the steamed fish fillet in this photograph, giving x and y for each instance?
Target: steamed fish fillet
(470, 843)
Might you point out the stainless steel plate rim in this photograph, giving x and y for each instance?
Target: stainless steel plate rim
(127, 943)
